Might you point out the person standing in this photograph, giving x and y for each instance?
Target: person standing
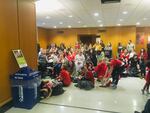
(102, 44)
(79, 61)
(108, 50)
(92, 55)
(142, 59)
(130, 46)
(147, 78)
(119, 49)
(97, 46)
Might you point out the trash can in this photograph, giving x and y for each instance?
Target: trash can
(25, 86)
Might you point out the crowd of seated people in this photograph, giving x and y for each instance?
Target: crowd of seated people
(96, 59)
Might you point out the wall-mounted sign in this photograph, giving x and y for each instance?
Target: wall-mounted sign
(20, 58)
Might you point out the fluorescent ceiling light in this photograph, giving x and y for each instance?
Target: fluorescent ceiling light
(125, 12)
(60, 22)
(47, 17)
(120, 20)
(54, 26)
(96, 14)
(45, 6)
(138, 23)
(69, 26)
(145, 19)
(101, 25)
(70, 16)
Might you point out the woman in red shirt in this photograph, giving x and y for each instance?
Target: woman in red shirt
(64, 76)
(101, 69)
(115, 70)
(142, 54)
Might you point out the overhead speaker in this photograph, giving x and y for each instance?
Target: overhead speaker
(110, 1)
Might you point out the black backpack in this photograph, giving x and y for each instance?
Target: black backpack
(57, 89)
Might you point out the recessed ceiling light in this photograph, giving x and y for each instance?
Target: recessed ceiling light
(60, 22)
(118, 24)
(79, 21)
(96, 14)
(138, 23)
(99, 21)
(54, 27)
(70, 16)
(47, 17)
(69, 26)
(43, 23)
(120, 20)
(125, 12)
(84, 25)
(101, 25)
(145, 19)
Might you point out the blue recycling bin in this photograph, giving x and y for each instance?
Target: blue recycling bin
(25, 88)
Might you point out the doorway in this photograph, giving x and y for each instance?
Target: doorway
(87, 39)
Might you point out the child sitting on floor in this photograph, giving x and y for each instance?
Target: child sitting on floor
(102, 73)
(100, 69)
(64, 76)
(87, 79)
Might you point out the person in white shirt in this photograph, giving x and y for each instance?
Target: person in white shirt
(132, 53)
(130, 46)
(79, 61)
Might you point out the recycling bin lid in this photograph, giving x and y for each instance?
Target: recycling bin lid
(25, 74)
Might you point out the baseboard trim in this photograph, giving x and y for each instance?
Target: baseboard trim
(6, 105)
(5, 102)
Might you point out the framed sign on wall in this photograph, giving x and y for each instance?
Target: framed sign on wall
(20, 58)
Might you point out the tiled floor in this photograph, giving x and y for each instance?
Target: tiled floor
(125, 99)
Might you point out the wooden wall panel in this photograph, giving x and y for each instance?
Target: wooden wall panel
(27, 31)
(17, 30)
(43, 37)
(146, 31)
(8, 41)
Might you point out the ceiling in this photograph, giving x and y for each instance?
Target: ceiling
(91, 13)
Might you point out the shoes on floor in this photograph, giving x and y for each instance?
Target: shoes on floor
(114, 86)
(76, 85)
